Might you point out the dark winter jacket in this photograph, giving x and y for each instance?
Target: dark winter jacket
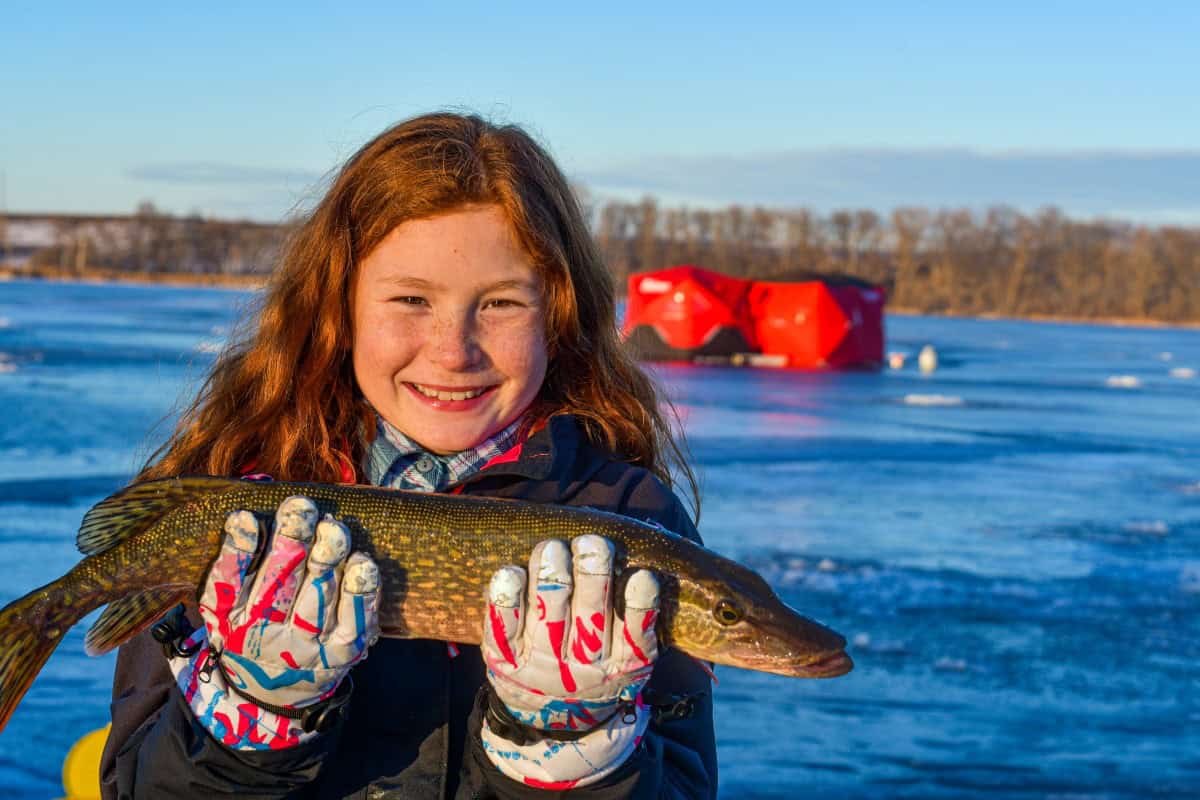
(412, 730)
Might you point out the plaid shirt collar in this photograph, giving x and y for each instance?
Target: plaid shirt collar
(396, 461)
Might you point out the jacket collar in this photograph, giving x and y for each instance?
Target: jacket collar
(548, 451)
(393, 459)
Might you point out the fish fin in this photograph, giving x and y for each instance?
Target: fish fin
(30, 628)
(137, 507)
(125, 618)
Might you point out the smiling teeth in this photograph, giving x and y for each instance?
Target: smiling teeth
(436, 395)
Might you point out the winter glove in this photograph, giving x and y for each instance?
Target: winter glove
(285, 640)
(571, 674)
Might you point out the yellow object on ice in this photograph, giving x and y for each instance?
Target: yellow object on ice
(81, 767)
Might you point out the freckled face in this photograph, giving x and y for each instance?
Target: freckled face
(449, 328)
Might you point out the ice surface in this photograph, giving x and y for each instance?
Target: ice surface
(1018, 570)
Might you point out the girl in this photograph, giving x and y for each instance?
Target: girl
(441, 322)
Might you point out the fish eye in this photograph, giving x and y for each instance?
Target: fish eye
(727, 612)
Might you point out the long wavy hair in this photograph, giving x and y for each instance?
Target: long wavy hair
(282, 397)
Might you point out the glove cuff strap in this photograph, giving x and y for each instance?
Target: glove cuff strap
(174, 633)
(544, 763)
(501, 721)
(246, 723)
(319, 717)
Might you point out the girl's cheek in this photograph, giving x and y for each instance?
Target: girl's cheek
(516, 341)
(386, 339)
(398, 327)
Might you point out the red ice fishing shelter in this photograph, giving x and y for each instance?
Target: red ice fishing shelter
(682, 312)
(819, 323)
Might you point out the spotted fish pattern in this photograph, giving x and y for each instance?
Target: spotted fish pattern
(150, 546)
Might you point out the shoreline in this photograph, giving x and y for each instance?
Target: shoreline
(257, 282)
(216, 281)
(995, 316)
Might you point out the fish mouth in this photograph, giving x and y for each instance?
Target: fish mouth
(826, 665)
(830, 665)
(824, 655)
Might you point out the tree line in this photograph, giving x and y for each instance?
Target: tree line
(956, 261)
(151, 242)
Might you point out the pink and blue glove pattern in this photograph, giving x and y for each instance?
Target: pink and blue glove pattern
(287, 639)
(571, 663)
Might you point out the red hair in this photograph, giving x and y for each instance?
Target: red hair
(283, 395)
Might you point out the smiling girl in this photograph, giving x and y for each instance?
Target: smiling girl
(440, 322)
(449, 340)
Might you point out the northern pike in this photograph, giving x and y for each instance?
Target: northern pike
(149, 547)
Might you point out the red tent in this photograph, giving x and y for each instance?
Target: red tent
(863, 342)
(819, 323)
(682, 312)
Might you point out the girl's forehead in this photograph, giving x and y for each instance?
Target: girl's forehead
(471, 247)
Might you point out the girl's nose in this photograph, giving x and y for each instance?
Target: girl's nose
(454, 344)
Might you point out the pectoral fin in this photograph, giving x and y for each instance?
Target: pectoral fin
(125, 618)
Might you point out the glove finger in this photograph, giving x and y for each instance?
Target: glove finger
(639, 641)
(313, 611)
(505, 617)
(591, 600)
(549, 598)
(357, 625)
(546, 630)
(223, 588)
(279, 576)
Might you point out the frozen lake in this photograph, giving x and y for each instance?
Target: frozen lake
(1011, 544)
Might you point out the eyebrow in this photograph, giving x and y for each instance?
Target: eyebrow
(424, 285)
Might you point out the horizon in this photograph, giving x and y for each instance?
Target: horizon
(978, 214)
(1084, 107)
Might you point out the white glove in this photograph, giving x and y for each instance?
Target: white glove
(573, 666)
(289, 638)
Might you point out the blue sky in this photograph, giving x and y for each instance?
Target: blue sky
(239, 112)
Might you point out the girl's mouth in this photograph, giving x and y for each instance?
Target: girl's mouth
(450, 399)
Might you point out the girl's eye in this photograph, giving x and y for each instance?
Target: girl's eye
(502, 302)
(409, 300)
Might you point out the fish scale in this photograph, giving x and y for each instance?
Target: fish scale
(149, 547)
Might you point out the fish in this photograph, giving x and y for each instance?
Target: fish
(149, 547)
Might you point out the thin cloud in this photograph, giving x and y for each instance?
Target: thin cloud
(210, 173)
(1144, 185)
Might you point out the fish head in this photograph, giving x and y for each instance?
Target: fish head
(729, 615)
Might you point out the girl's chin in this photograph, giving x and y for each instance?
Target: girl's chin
(452, 435)
(449, 446)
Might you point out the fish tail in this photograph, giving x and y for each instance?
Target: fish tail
(30, 629)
